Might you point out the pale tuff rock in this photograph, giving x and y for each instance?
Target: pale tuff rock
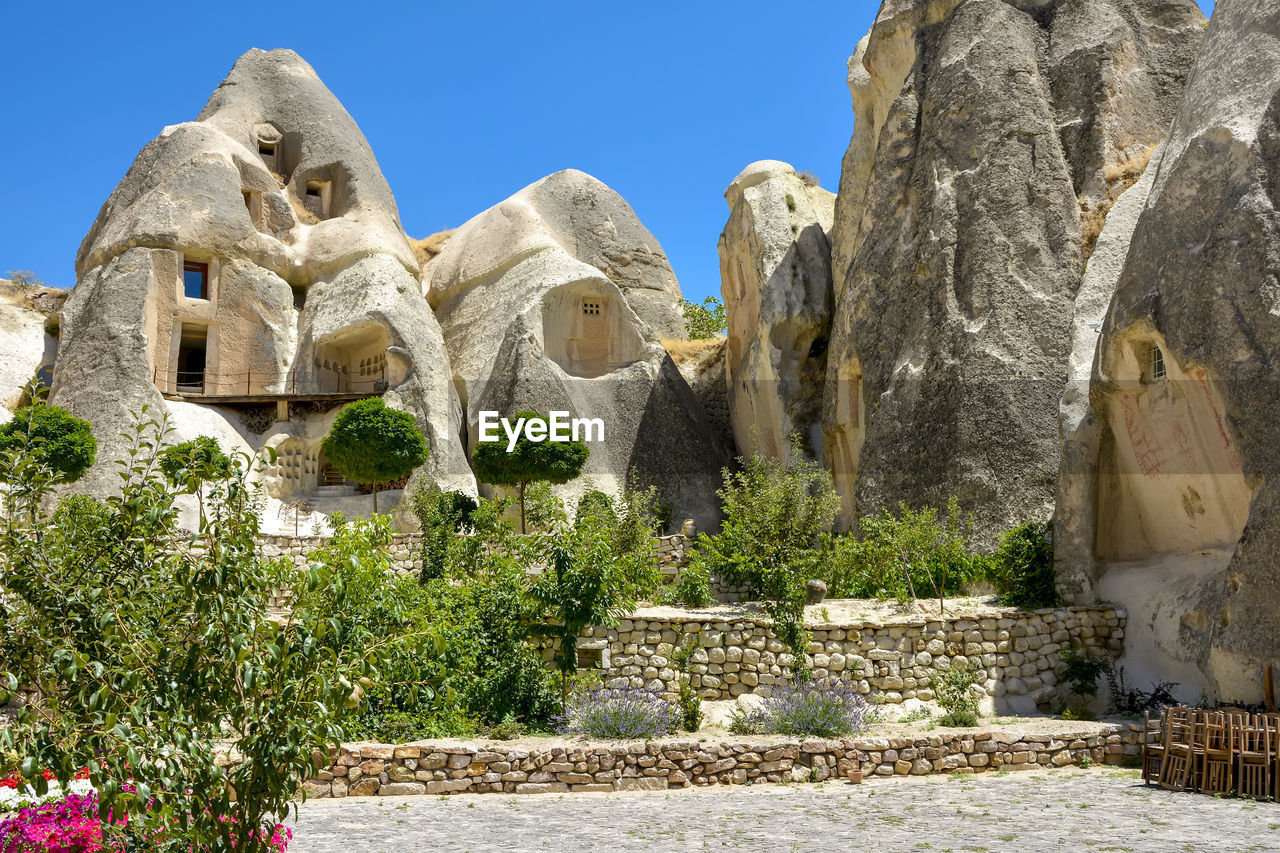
(983, 129)
(311, 285)
(533, 320)
(1176, 512)
(25, 346)
(775, 273)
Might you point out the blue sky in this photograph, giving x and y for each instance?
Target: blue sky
(463, 103)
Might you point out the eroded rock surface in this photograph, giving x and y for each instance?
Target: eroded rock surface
(1176, 512)
(254, 253)
(775, 274)
(984, 129)
(534, 319)
(26, 347)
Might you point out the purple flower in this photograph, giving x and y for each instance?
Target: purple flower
(618, 712)
(825, 708)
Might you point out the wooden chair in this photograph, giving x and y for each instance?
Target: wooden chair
(1257, 756)
(1180, 758)
(1217, 763)
(1153, 741)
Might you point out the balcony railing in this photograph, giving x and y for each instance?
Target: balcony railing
(260, 383)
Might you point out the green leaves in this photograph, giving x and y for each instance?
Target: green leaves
(370, 443)
(149, 651)
(707, 320)
(51, 438)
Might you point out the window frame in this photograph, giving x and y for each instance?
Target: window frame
(201, 267)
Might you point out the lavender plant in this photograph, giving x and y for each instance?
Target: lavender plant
(825, 708)
(618, 713)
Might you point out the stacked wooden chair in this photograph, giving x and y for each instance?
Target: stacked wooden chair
(1214, 752)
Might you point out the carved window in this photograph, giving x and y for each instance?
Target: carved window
(591, 307)
(195, 280)
(1158, 370)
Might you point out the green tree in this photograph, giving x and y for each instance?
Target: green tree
(529, 461)
(441, 515)
(370, 443)
(50, 437)
(583, 585)
(147, 655)
(1022, 567)
(708, 320)
(775, 513)
(193, 463)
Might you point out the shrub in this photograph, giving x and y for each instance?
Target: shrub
(48, 438)
(371, 443)
(907, 555)
(1022, 567)
(824, 708)
(954, 692)
(191, 464)
(584, 585)
(690, 702)
(775, 511)
(618, 713)
(134, 640)
(693, 587)
(707, 320)
(441, 515)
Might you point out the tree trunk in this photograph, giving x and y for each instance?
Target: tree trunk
(522, 485)
(375, 497)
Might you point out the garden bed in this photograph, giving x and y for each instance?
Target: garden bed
(558, 764)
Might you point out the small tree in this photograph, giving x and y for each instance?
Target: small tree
(775, 513)
(50, 437)
(193, 463)
(707, 320)
(529, 461)
(585, 585)
(370, 443)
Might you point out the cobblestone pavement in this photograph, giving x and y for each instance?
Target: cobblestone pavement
(1093, 810)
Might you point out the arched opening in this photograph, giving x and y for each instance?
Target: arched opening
(354, 360)
(587, 330)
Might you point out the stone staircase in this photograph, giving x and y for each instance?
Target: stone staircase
(343, 491)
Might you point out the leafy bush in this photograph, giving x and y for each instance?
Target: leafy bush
(136, 641)
(47, 438)
(1131, 701)
(441, 515)
(911, 554)
(1022, 567)
(458, 659)
(708, 320)
(692, 588)
(618, 713)
(954, 692)
(775, 512)
(824, 708)
(585, 584)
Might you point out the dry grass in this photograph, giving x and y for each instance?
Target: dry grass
(686, 352)
(1119, 177)
(428, 247)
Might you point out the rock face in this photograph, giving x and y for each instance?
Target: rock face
(255, 255)
(534, 318)
(26, 348)
(775, 274)
(1175, 511)
(989, 137)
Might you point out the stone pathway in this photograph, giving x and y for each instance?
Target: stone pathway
(1091, 810)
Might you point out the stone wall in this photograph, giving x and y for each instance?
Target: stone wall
(1019, 653)
(403, 549)
(388, 770)
(672, 551)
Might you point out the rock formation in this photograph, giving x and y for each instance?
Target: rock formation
(1174, 513)
(26, 347)
(775, 273)
(991, 138)
(557, 298)
(255, 255)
